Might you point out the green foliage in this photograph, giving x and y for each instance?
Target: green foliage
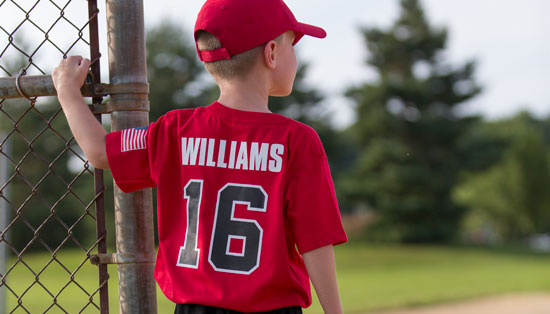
(511, 198)
(412, 144)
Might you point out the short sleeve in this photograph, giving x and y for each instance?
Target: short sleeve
(312, 207)
(127, 153)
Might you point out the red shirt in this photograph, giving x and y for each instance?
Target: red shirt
(240, 195)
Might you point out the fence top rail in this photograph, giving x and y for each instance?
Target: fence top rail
(42, 85)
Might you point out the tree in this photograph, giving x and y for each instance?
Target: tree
(511, 197)
(412, 142)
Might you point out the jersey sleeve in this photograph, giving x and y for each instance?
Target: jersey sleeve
(128, 156)
(312, 207)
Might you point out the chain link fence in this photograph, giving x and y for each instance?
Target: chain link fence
(52, 216)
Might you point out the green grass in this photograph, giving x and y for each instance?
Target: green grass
(370, 277)
(382, 277)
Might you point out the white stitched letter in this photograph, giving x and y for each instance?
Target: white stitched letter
(232, 155)
(202, 154)
(221, 154)
(242, 158)
(258, 159)
(209, 161)
(275, 153)
(189, 151)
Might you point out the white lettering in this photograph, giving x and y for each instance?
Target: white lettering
(258, 159)
(221, 154)
(202, 155)
(243, 155)
(189, 151)
(242, 159)
(232, 155)
(210, 161)
(276, 164)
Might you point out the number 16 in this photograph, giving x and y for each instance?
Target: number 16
(226, 226)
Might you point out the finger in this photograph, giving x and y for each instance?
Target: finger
(83, 66)
(85, 63)
(74, 60)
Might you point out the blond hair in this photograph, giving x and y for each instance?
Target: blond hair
(237, 66)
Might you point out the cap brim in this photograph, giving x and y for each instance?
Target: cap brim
(302, 29)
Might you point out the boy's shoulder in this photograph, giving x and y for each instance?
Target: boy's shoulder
(177, 116)
(183, 112)
(304, 130)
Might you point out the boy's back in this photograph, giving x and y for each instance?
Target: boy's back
(237, 193)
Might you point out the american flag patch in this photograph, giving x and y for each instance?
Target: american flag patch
(134, 139)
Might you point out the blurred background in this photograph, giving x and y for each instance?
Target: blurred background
(435, 116)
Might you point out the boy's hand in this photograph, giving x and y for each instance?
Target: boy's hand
(70, 74)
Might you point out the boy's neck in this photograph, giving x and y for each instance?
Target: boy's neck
(244, 94)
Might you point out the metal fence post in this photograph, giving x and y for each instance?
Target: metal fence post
(133, 211)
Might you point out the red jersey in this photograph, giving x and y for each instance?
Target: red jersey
(240, 195)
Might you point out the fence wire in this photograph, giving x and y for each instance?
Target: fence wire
(51, 218)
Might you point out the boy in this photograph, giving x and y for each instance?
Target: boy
(246, 204)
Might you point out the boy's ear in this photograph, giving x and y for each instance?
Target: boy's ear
(270, 54)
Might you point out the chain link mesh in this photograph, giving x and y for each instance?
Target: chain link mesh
(48, 206)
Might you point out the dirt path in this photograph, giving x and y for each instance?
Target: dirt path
(532, 303)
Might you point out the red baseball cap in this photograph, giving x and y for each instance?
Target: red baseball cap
(241, 25)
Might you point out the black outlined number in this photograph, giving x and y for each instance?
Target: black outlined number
(189, 253)
(228, 227)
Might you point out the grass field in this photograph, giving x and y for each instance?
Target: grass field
(370, 277)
